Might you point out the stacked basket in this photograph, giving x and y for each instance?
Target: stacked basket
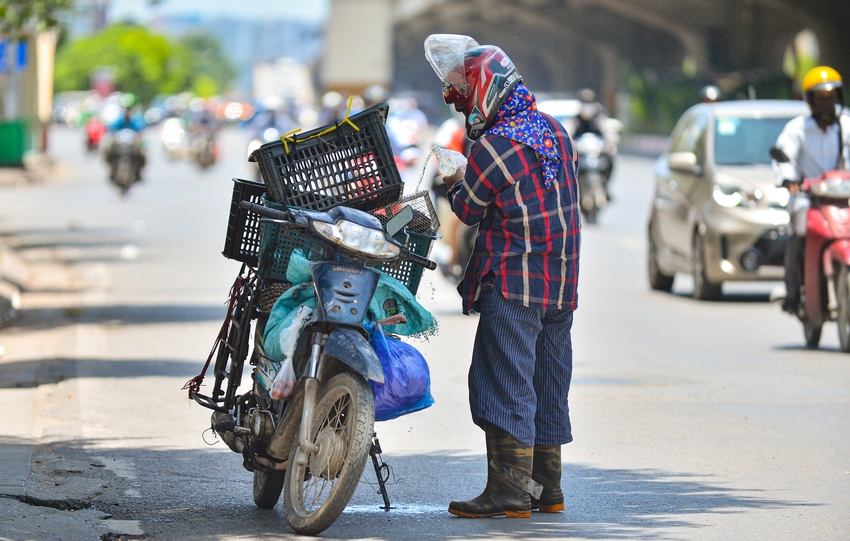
(349, 163)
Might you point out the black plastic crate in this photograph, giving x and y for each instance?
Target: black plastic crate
(242, 242)
(333, 165)
(277, 242)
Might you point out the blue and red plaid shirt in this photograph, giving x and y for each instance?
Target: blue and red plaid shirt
(529, 235)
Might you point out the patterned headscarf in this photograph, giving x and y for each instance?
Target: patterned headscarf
(518, 119)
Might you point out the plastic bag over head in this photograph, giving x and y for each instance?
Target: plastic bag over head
(445, 53)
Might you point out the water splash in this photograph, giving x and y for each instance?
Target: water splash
(398, 509)
(425, 166)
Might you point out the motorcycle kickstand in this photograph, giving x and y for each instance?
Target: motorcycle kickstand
(380, 466)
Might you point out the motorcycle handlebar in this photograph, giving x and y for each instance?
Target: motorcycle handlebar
(266, 211)
(287, 216)
(418, 259)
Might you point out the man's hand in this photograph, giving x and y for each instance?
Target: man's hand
(455, 177)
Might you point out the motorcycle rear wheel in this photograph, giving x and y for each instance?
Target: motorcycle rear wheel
(319, 485)
(843, 294)
(267, 487)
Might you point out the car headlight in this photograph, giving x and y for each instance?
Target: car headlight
(355, 237)
(731, 196)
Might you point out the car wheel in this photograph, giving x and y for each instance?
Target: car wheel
(704, 290)
(657, 279)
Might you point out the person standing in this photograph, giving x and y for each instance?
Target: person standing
(520, 187)
(813, 143)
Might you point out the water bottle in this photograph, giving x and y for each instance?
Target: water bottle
(449, 160)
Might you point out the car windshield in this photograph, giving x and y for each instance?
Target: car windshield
(745, 141)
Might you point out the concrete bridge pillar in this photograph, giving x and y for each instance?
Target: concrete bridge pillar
(358, 45)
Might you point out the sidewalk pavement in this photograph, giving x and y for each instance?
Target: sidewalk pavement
(16, 438)
(13, 271)
(45, 494)
(36, 168)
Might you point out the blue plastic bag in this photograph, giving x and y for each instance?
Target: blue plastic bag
(407, 380)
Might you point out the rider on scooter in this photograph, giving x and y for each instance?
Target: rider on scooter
(814, 144)
(128, 120)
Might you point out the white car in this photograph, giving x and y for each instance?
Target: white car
(718, 212)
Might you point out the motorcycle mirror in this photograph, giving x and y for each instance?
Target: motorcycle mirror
(777, 154)
(400, 220)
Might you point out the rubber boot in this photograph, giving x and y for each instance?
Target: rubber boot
(508, 480)
(547, 472)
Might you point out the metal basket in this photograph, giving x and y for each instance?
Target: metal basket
(425, 219)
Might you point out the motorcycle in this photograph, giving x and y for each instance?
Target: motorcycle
(313, 445)
(95, 130)
(203, 147)
(825, 292)
(594, 164)
(125, 158)
(173, 135)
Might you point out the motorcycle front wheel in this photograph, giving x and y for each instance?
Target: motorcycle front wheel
(812, 334)
(124, 175)
(319, 485)
(843, 293)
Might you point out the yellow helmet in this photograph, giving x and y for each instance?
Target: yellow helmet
(821, 78)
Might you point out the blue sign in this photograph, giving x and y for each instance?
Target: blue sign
(21, 62)
(4, 56)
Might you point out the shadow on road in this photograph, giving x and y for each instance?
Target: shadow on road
(206, 495)
(802, 347)
(27, 374)
(48, 318)
(731, 298)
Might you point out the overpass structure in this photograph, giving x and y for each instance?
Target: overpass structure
(563, 45)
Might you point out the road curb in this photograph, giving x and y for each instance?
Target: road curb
(14, 275)
(36, 169)
(10, 302)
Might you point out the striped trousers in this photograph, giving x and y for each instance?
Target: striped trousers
(522, 364)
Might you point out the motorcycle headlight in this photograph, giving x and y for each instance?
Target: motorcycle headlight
(125, 137)
(355, 237)
(731, 196)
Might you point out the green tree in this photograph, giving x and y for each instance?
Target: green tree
(213, 72)
(141, 62)
(18, 17)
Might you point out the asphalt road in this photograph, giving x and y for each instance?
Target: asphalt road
(692, 420)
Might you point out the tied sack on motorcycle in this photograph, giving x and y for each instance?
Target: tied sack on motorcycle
(407, 379)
